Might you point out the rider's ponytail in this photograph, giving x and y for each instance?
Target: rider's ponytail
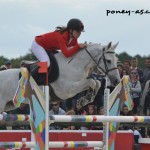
(61, 29)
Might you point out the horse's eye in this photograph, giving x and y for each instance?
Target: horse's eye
(109, 61)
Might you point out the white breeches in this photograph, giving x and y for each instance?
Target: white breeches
(40, 53)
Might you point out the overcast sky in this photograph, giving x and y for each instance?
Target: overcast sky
(22, 20)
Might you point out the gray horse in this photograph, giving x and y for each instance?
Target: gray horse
(73, 73)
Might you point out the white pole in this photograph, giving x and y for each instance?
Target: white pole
(96, 118)
(106, 113)
(32, 139)
(46, 117)
(54, 144)
(99, 118)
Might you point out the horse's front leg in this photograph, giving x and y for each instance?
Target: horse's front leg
(91, 93)
(82, 85)
(92, 86)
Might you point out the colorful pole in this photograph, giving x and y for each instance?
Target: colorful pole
(14, 117)
(82, 118)
(65, 144)
(92, 118)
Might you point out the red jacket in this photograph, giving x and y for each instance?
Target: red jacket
(55, 41)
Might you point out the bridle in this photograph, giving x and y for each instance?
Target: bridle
(107, 70)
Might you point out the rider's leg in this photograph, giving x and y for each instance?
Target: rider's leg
(42, 56)
(40, 79)
(40, 53)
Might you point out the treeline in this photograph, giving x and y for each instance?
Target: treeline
(16, 61)
(125, 56)
(29, 56)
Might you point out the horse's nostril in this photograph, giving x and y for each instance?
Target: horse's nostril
(116, 81)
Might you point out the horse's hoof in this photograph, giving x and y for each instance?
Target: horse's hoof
(81, 101)
(87, 101)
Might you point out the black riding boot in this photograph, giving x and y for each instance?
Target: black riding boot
(40, 78)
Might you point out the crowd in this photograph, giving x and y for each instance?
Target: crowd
(139, 85)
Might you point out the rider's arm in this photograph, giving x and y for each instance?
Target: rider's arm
(68, 51)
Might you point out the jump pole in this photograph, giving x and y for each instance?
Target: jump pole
(64, 144)
(81, 118)
(99, 118)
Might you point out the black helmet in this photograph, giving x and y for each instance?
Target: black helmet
(75, 24)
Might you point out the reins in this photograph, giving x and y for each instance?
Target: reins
(104, 60)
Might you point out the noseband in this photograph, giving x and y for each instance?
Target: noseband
(107, 70)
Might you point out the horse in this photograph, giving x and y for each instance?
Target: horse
(75, 71)
(73, 74)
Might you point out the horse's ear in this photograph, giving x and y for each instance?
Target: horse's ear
(114, 46)
(109, 45)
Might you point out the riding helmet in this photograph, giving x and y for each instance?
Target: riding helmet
(75, 24)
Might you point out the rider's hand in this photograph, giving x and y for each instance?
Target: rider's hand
(81, 45)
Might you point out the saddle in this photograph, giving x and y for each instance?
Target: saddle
(40, 78)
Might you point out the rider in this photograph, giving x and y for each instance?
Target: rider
(63, 38)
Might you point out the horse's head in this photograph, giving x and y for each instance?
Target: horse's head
(20, 95)
(106, 61)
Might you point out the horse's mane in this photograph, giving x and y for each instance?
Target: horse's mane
(90, 44)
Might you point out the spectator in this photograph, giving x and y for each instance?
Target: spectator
(135, 90)
(134, 65)
(146, 71)
(91, 110)
(56, 110)
(127, 65)
(8, 64)
(125, 111)
(145, 100)
(120, 69)
(125, 72)
(65, 127)
(68, 104)
(24, 109)
(101, 111)
(79, 110)
(137, 135)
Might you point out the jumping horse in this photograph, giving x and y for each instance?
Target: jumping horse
(73, 74)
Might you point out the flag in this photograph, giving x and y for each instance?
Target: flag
(120, 94)
(29, 90)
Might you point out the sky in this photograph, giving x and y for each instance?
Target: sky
(22, 20)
